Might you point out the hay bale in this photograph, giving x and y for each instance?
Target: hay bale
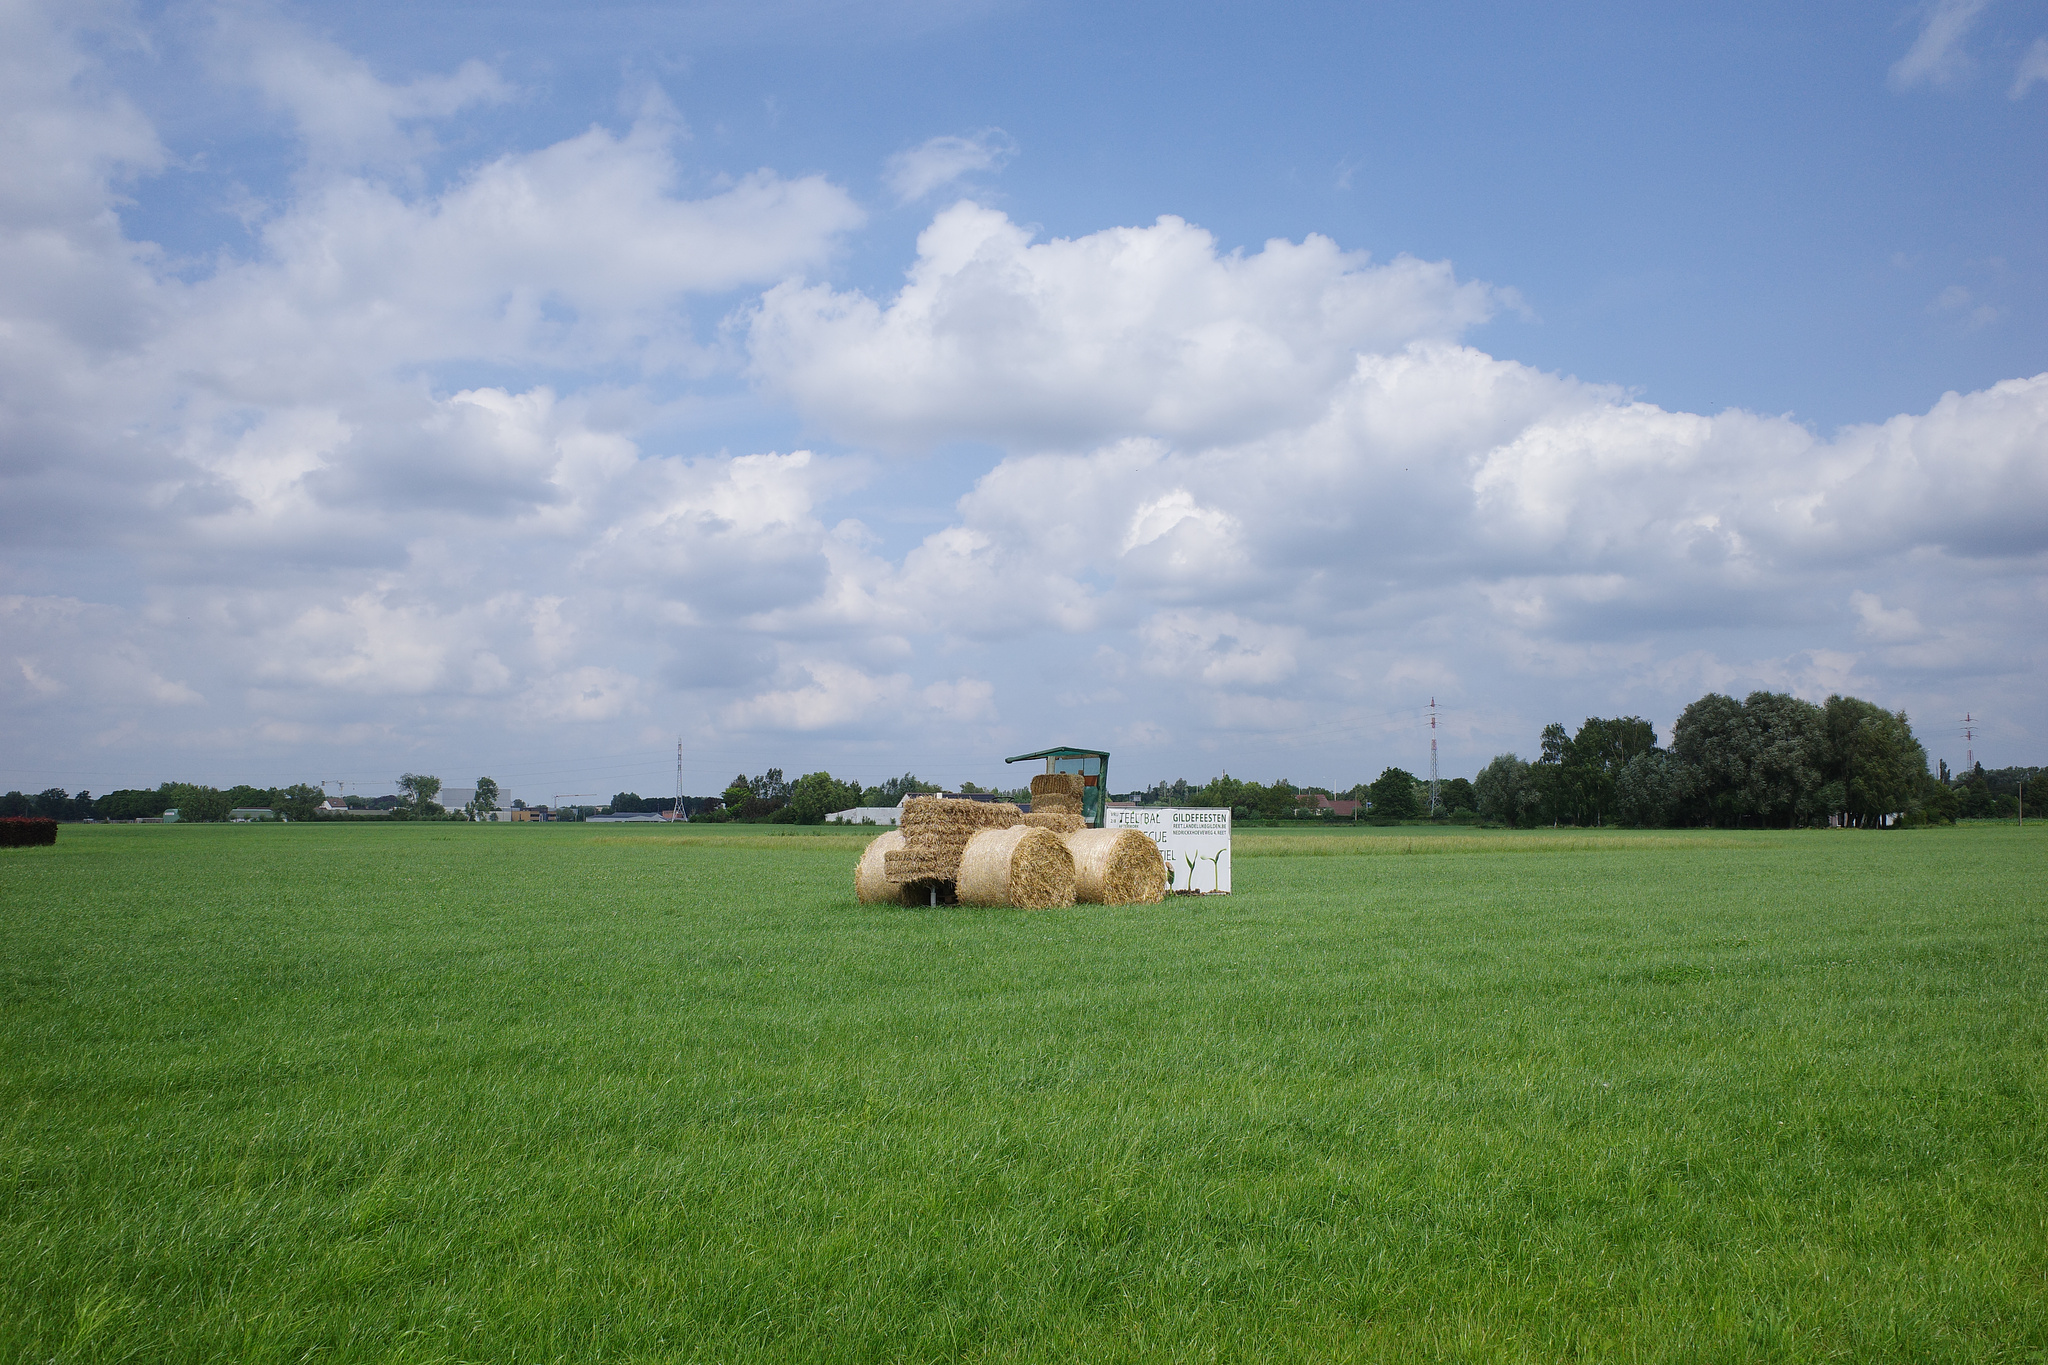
(941, 813)
(1058, 822)
(935, 832)
(1053, 803)
(1116, 867)
(871, 885)
(1057, 784)
(907, 865)
(1021, 866)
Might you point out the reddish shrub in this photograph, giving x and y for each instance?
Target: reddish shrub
(22, 831)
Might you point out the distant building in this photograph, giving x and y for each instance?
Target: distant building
(455, 798)
(1343, 810)
(873, 815)
(246, 813)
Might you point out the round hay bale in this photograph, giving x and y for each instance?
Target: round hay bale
(1057, 822)
(871, 885)
(1021, 866)
(1116, 867)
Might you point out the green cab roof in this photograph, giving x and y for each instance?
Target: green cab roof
(1063, 751)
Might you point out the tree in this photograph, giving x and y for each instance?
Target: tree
(1502, 791)
(420, 790)
(299, 801)
(56, 804)
(128, 804)
(1785, 747)
(1650, 790)
(193, 803)
(756, 798)
(1275, 800)
(251, 798)
(1552, 795)
(814, 796)
(1224, 791)
(486, 799)
(632, 803)
(1592, 761)
(1457, 794)
(1393, 795)
(1711, 739)
(895, 789)
(1873, 754)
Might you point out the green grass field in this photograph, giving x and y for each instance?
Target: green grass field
(508, 1093)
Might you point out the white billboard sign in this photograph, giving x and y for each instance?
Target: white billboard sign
(1195, 843)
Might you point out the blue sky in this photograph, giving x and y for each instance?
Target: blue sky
(436, 399)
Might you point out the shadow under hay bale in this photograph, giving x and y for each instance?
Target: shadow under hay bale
(1022, 866)
(1116, 867)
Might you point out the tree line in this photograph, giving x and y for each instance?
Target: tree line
(1768, 760)
(1771, 759)
(200, 804)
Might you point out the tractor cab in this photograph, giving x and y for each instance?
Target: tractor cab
(1092, 764)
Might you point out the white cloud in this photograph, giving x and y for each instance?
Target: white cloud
(941, 161)
(346, 116)
(1130, 331)
(2033, 68)
(836, 696)
(1936, 56)
(1889, 625)
(406, 475)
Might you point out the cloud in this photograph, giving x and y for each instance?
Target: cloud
(940, 161)
(834, 696)
(1126, 332)
(346, 117)
(403, 475)
(2033, 67)
(1957, 301)
(1936, 57)
(1887, 624)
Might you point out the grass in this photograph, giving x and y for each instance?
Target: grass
(530, 1093)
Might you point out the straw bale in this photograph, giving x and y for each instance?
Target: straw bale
(1116, 867)
(906, 865)
(1059, 822)
(871, 883)
(1053, 803)
(940, 812)
(1021, 866)
(1057, 784)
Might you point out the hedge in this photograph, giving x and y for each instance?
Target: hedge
(23, 831)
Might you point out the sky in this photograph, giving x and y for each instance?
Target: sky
(524, 390)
